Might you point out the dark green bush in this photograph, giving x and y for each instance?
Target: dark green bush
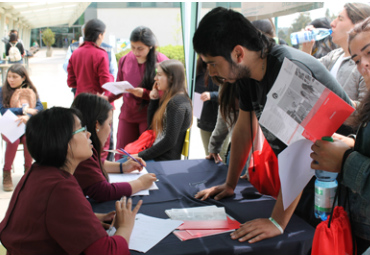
(172, 52)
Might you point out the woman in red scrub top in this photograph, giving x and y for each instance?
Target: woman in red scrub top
(48, 213)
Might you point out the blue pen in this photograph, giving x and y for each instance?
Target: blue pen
(128, 154)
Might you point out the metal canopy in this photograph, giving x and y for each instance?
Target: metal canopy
(44, 14)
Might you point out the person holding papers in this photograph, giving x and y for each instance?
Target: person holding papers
(18, 95)
(91, 174)
(235, 50)
(351, 157)
(48, 213)
(169, 115)
(88, 68)
(138, 68)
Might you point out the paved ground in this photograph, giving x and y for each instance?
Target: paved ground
(50, 80)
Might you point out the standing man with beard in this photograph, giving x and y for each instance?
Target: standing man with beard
(235, 50)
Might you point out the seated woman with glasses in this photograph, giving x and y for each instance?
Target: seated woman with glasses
(92, 174)
(48, 213)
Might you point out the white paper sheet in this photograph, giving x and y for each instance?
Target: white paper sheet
(197, 105)
(295, 169)
(118, 87)
(148, 231)
(127, 177)
(9, 126)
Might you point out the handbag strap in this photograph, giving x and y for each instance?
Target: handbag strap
(252, 158)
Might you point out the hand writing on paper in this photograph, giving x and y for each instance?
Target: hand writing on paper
(125, 217)
(131, 165)
(328, 155)
(214, 156)
(138, 92)
(147, 180)
(255, 230)
(105, 217)
(219, 192)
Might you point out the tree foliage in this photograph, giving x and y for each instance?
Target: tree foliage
(48, 37)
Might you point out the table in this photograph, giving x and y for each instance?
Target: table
(179, 180)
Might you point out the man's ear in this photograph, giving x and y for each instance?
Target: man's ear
(238, 54)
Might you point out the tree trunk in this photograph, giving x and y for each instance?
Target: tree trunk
(49, 51)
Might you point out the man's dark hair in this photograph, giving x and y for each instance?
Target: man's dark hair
(221, 30)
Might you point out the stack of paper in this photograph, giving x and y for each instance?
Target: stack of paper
(118, 87)
(202, 221)
(148, 231)
(127, 177)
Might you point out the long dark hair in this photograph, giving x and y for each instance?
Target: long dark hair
(146, 36)
(48, 134)
(362, 114)
(93, 29)
(93, 109)
(228, 100)
(174, 70)
(8, 91)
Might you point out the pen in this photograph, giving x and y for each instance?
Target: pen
(128, 154)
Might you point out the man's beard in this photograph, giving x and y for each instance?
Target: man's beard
(240, 71)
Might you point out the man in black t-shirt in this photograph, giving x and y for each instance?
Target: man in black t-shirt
(235, 50)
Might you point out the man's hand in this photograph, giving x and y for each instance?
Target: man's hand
(214, 156)
(219, 192)
(255, 230)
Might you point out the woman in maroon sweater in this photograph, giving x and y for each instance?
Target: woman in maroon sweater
(48, 213)
(91, 174)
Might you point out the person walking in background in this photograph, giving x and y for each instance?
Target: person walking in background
(92, 174)
(169, 115)
(351, 157)
(88, 68)
(209, 95)
(48, 213)
(267, 27)
(18, 95)
(138, 68)
(14, 50)
(109, 49)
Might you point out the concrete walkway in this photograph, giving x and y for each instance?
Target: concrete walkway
(50, 79)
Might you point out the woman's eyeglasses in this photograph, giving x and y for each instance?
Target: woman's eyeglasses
(83, 129)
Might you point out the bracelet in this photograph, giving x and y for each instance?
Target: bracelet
(120, 168)
(277, 225)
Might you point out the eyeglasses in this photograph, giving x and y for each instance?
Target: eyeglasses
(83, 129)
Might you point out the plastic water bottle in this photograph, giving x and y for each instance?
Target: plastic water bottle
(325, 188)
(306, 36)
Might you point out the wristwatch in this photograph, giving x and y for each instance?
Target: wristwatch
(24, 108)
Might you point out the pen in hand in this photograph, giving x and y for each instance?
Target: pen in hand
(128, 154)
